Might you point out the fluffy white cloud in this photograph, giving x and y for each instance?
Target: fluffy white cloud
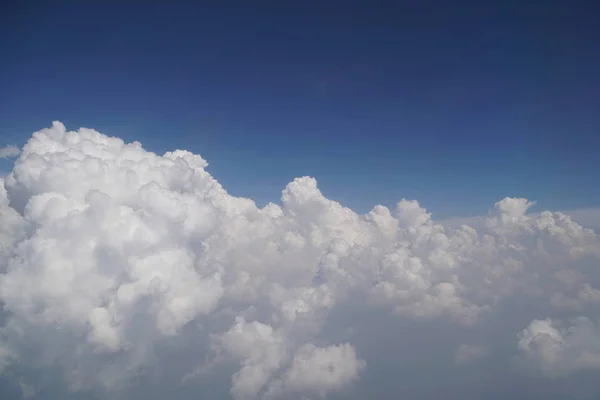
(557, 348)
(9, 151)
(121, 269)
(320, 370)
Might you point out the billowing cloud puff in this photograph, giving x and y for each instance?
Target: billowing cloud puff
(556, 348)
(126, 273)
(320, 369)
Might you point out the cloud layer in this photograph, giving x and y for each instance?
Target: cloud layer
(125, 273)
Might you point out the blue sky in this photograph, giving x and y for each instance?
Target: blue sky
(455, 104)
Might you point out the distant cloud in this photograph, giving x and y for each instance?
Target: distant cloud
(558, 348)
(9, 151)
(27, 391)
(164, 283)
(588, 217)
(469, 353)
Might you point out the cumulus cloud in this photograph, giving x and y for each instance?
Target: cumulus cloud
(131, 274)
(319, 369)
(557, 348)
(9, 151)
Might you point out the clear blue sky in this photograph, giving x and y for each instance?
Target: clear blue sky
(453, 103)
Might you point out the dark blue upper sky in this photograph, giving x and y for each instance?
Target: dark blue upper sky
(453, 103)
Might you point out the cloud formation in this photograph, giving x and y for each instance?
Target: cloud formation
(556, 348)
(9, 151)
(121, 269)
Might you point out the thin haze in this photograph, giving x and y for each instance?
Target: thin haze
(200, 223)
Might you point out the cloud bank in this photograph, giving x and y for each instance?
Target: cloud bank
(126, 274)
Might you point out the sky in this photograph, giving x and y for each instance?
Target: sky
(314, 201)
(456, 104)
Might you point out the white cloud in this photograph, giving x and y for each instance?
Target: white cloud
(559, 349)
(137, 274)
(320, 370)
(9, 151)
(259, 349)
(588, 217)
